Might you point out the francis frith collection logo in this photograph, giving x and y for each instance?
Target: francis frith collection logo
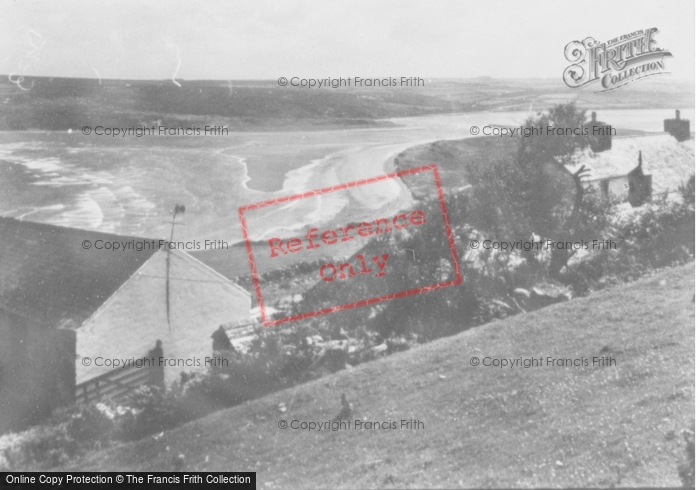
(615, 63)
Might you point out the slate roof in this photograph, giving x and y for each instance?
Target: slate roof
(669, 162)
(46, 274)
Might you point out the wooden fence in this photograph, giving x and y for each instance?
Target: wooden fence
(117, 384)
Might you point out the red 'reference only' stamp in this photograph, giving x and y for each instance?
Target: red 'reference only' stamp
(360, 232)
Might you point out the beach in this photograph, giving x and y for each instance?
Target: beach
(130, 185)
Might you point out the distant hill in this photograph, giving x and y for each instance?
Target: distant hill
(483, 426)
(46, 103)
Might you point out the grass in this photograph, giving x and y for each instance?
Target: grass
(484, 426)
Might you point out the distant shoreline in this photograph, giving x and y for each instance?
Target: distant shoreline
(138, 181)
(53, 103)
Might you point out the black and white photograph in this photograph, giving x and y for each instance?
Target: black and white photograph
(376, 244)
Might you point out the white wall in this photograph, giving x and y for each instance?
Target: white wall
(134, 318)
(619, 187)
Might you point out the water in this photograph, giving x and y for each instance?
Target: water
(129, 185)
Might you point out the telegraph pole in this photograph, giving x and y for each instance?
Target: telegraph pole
(179, 208)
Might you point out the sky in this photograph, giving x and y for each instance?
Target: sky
(231, 39)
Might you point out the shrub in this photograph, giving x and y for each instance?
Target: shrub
(658, 235)
(89, 425)
(153, 409)
(45, 446)
(71, 431)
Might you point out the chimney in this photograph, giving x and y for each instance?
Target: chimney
(640, 158)
(679, 128)
(601, 135)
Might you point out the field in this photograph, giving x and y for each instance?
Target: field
(250, 105)
(615, 425)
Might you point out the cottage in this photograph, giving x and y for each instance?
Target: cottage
(637, 167)
(120, 304)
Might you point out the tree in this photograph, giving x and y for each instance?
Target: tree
(548, 143)
(535, 194)
(428, 261)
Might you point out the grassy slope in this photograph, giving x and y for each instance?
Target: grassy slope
(483, 426)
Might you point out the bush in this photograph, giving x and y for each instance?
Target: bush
(658, 235)
(89, 425)
(152, 409)
(245, 379)
(71, 431)
(48, 446)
